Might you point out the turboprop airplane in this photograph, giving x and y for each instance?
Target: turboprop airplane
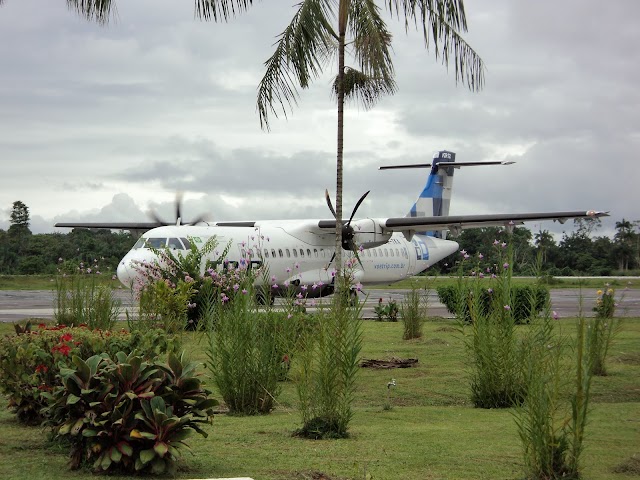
(300, 253)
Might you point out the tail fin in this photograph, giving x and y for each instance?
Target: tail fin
(436, 195)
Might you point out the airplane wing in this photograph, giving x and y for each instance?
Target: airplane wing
(112, 226)
(455, 223)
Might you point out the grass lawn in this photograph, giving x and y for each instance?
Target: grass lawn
(431, 430)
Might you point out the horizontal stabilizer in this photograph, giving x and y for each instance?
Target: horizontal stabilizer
(445, 164)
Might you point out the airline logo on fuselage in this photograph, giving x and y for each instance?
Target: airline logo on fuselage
(422, 252)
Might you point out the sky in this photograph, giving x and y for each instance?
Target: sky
(108, 123)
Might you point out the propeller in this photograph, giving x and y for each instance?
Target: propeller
(348, 233)
(178, 215)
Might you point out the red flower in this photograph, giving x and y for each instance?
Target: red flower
(62, 348)
(65, 350)
(42, 368)
(42, 325)
(67, 337)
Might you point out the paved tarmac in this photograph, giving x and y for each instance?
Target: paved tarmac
(16, 305)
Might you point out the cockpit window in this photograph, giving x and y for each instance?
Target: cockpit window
(174, 244)
(155, 242)
(186, 243)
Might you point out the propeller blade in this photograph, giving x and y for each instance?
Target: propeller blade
(178, 202)
(355, 209)
(326, 195)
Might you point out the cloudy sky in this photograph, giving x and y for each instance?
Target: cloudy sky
(107, 123)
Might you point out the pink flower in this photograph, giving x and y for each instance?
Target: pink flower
(480, 256)
(555, 315)
(507, 308)
(505, 265)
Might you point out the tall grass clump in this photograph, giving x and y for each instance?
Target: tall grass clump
(551, 422)
(328, 366)
(496, 353)
(248, 350)
(80, 300)
(413, 310)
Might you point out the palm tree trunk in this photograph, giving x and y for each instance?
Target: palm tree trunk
(342, 28)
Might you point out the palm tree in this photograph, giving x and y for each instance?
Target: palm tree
(313, 39)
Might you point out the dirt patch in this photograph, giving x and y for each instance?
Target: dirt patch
(446, 329)
(391, 363)
(629, 358)
(630, 466)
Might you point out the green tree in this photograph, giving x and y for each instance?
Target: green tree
(624, 240)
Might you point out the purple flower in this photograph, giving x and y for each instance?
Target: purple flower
(489, 290)
(463, 252)
(188, 279)
(503, 245)
(358, 286)
(480, 256)
(466, 256)
(303, 288)
(555, 315)
(505, 265)
(496, 242)
(236, 287)
(275, 285)
(507, 308)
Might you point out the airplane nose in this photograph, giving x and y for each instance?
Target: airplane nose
(125, 273)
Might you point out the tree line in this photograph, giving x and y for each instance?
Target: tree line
(580, 252)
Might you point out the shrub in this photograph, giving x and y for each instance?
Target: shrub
(388, 312)
(522, 308)
(413, 311)
(246, 351)
(327, 370)
(80, 300)
(128, 414)
(30, 362)
(602, 330)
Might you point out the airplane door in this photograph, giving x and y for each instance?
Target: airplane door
(412, 258)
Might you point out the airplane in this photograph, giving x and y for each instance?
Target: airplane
(300, 254)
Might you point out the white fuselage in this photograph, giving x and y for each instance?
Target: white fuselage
(294, 252)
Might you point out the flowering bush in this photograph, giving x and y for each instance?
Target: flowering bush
(605, 303)
(520, 307)
(31, 362)
(126, 414)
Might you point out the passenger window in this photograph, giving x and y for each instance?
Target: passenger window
(397, 253)
(288, 252)
(273, 253)
(375, 252)
(386, 252)
(301, 253)
(308, 253)
(295, 253)
(266, 253)
(280, 252)
(315, 252)
(391, 250)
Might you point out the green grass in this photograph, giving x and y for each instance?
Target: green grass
(430, 432)
(43, 282)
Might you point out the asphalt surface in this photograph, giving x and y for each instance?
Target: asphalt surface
(16, 305)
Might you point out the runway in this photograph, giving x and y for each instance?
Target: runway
(16, 305)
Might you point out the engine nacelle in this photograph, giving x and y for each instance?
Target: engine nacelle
(369, 234)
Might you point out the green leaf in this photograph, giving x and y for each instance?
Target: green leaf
(115, 454)
(147, 455)
(175, 365)
(161, 448)
(77, 426)
(72, 399)
(125, 448)
(89, 432)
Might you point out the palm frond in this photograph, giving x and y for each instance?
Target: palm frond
(364, 89)
(441, 20)
(301, 53)
(220, 9)
(100, 11)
